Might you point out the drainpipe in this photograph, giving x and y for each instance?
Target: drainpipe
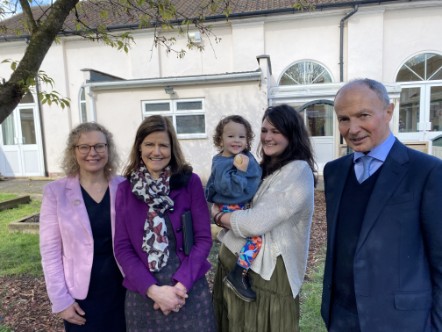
(341, 42)
(268, 74)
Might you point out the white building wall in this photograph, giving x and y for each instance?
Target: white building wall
(247, 43)
(121, 113)
(363, 56)
(304, 38)
(377, 41)
(409, 32)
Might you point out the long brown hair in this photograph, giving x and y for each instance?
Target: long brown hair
(291, 125)
(152, 124)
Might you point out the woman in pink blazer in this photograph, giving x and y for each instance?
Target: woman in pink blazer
(77, 222)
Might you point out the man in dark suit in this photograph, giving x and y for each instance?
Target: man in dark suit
(383, 269)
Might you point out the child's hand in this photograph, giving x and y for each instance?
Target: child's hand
(241, 162)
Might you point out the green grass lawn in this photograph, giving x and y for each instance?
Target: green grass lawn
(311, 294)
(5, 197)
(19, 253)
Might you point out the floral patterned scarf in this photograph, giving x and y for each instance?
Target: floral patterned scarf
(156, 194)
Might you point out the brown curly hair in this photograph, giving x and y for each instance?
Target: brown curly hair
(218, 135)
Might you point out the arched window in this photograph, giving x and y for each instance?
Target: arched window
(421, 96)
(305, 72)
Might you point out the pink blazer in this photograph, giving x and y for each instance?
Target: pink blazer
(66, 242)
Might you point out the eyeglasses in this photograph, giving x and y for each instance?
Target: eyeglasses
(86, 148)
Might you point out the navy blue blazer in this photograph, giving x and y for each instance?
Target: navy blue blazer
(398, 259)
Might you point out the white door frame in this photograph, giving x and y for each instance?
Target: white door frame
(423, 132)
(20, 159)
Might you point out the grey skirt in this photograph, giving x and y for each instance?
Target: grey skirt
(275, 309)
(195, 316)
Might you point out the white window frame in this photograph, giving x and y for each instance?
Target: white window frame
(303, 78)
(174, 112)
(424, 84)
(85, 104)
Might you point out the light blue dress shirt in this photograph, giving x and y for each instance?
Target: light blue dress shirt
(379, 154)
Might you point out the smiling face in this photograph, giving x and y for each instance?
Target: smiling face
(234, 139)
(156, 152)
(363, 117)
(91, 162)
(273, 141)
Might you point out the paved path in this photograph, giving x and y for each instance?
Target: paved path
(23, 186)
(29, 186)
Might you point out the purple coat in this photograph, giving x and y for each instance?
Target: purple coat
(131, 214)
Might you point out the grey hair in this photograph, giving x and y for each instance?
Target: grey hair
(69, 162)
(375, 86)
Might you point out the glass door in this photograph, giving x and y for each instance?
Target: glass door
(21, 154)
(318, 117)
(420, 112)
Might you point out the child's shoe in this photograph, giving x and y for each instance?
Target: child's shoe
(238, 280)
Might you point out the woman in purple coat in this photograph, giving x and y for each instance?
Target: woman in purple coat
(166, 289)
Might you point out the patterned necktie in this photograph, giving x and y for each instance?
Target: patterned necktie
(366, 161)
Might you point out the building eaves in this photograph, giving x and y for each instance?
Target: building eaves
(247, 76)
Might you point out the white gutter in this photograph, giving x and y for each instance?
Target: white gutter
(176, 81)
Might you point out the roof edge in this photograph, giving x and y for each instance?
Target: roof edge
(177, 81)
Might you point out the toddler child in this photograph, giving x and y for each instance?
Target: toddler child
(234, 179)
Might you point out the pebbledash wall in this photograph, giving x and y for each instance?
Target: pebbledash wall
(239, 75)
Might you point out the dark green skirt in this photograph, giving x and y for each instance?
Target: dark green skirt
(275, 309)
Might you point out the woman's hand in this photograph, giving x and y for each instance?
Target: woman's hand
(214, 210)
(167, 298)
(73, 314)
(221, 219)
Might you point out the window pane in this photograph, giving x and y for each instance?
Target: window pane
(157, 107)
(406, 75)
(27, 98)
(434, 66)
(306, 72)
(83, 112)
(437, 75)
(436, 108)
(27, 126)
(8, 130)
(189, 105)
(190, 124)
(425, 66)
(409, 110)
(320, 120)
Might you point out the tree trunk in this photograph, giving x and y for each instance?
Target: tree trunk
(40, 41)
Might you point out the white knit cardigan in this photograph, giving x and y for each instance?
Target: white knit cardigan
(281, 212)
